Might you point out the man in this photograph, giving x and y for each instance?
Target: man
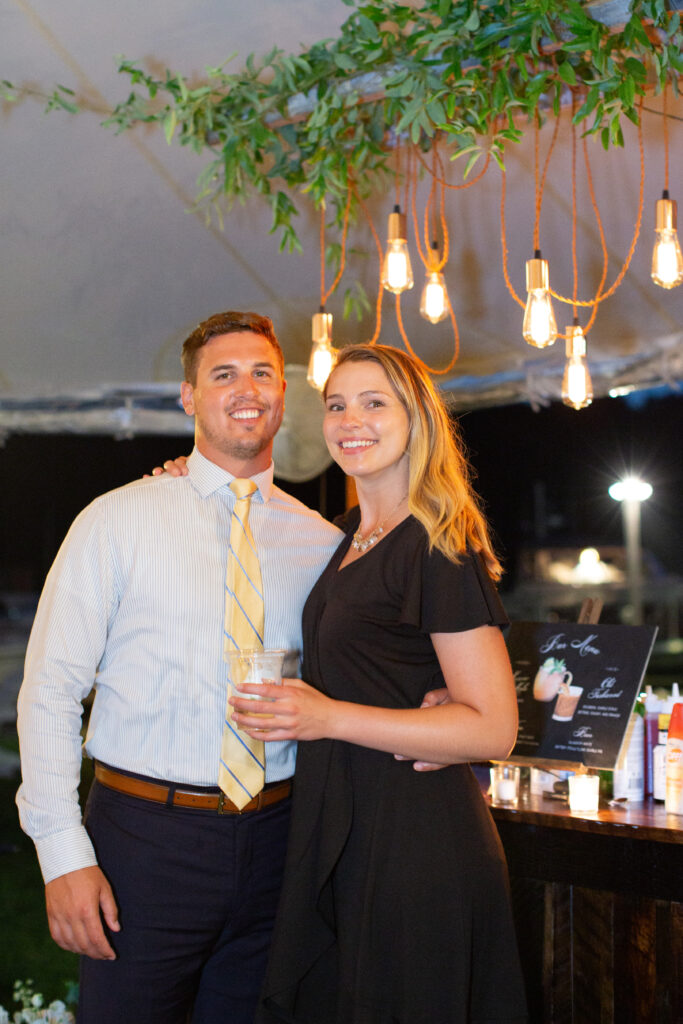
(167, 888)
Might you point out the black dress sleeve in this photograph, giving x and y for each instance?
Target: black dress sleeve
(444, 597)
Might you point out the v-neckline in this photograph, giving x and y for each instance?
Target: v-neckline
(373, 547)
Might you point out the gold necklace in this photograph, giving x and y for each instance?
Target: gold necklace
(361, 543)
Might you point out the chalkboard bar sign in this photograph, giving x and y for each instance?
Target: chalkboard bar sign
(576, 688)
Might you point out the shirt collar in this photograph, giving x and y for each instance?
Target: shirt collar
(208, 478)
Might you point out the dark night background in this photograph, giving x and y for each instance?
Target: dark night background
(543, 476)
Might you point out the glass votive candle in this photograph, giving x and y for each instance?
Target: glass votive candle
(584, 793)
(505, 785)
(541, 780)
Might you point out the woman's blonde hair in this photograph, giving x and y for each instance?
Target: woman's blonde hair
(440, 493)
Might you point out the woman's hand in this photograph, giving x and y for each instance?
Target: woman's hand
(430, 700)
(293, 711)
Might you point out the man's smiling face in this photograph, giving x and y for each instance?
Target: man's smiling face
(237, 401)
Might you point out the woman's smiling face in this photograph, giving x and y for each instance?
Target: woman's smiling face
(366, 426)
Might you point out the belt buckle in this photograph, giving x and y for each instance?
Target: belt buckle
(222, 809)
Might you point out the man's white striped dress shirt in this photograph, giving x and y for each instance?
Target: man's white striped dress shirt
(134, 603)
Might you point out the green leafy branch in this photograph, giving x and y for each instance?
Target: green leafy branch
(468, 72)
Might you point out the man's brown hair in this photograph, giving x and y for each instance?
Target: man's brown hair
(231, 322)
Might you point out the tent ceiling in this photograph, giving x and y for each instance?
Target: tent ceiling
(106, 269)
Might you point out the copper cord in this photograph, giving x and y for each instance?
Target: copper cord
(538, 194)
(380, 292)
(447, 184)
(437, 178)
(413, 205)
(397, 177)
(409, 173)
(601, 232)
(600, 296)
(428, 261)
(429, 209)
(438, 266)
(413, 353)
(322, 253)
(539, 187)
(636, 232)
(575, 265)
(503, 240)
(324, 295)
(666, 137)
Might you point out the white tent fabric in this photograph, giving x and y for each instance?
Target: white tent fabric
(106, 268)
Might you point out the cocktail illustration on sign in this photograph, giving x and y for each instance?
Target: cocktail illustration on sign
(567, 701)
(551, 676)
(553, 682)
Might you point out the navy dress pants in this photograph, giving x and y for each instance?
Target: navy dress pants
(197, 894)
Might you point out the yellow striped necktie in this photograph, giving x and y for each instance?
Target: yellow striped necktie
(241, 773)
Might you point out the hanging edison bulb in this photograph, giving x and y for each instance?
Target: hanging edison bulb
(539, 327)
(667, 260)
(397, 273)
(577, 387)
(323, 356)
(434, 299)
(434, 304)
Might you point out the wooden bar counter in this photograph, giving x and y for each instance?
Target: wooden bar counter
(599, 912)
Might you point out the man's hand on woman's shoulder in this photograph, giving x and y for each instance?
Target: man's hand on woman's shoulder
(174, 467)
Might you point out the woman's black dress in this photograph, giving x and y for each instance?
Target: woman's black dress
(395, 906)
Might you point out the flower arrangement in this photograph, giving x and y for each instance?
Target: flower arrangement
(33, 1008)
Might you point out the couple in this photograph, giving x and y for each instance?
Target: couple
(393, 905)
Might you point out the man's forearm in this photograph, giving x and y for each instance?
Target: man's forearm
(64, 649)
(47, 800)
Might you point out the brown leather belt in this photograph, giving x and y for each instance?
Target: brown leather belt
(174, 797)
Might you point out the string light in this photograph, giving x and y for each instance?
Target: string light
(323, 356)
(397, 273)
(667, 259)
(539, 327)
(434, 299)
(577, 387)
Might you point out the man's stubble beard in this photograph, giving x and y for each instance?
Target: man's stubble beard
(242, 449)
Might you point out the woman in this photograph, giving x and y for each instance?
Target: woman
(395, 907)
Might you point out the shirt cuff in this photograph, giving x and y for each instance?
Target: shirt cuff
(65, 851)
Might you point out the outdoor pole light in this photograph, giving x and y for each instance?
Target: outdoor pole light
(631, 492)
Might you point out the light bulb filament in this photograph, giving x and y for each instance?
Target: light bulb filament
(577, 387)
(667, 260)
(539, 327)
(323, 356)
(434, 299)
(398, 273)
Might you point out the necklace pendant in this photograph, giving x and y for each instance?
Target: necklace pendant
(361, 543)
